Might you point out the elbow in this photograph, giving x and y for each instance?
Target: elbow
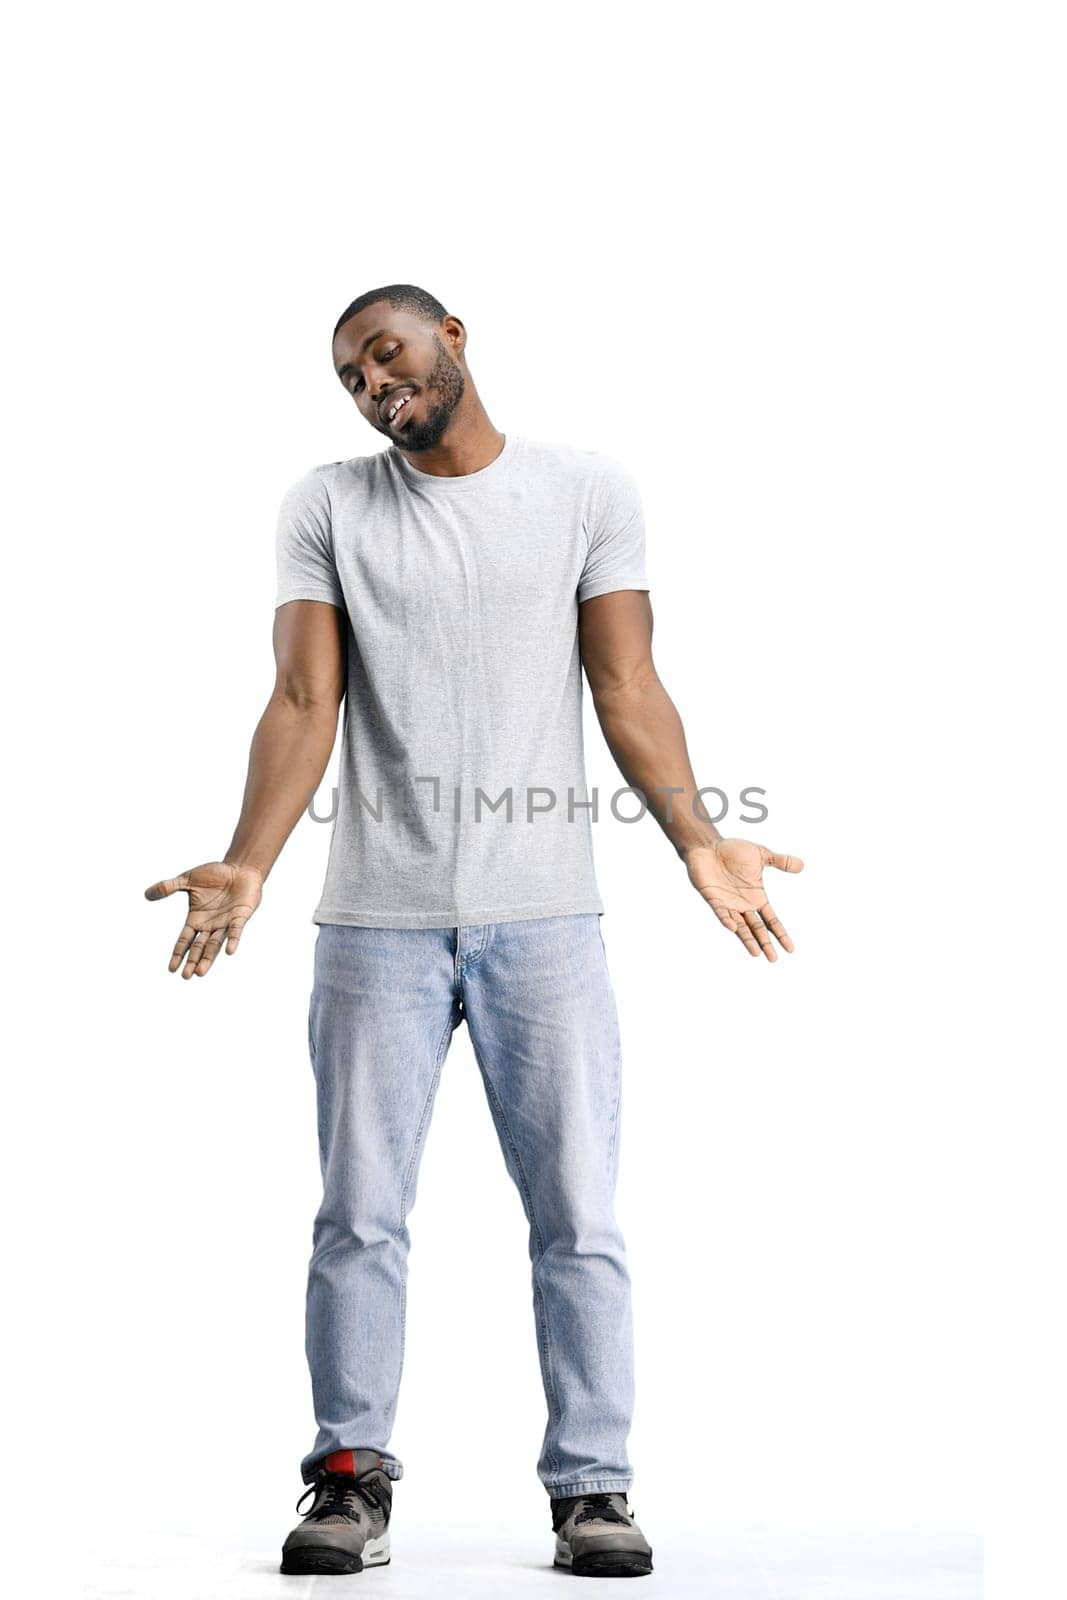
(310, 692)
(317, 702)
(625, 694)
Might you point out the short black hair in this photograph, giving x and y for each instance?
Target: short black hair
(402, 297)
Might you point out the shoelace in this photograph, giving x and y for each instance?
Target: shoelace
(598, 1508)
(338, 1491)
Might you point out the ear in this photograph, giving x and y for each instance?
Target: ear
(454, 334)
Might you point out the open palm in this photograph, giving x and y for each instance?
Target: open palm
(729, 875)
(221, 900)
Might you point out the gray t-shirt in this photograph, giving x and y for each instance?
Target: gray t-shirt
(464, 675)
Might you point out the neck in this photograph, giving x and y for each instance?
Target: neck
(470, 443)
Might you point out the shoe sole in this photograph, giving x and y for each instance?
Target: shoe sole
(311, 1560)
(603, 1563)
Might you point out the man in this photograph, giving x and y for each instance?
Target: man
(451, 588)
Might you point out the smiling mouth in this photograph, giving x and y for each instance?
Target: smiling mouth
(396, 408)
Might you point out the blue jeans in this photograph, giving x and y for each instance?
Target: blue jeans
(540, 1009)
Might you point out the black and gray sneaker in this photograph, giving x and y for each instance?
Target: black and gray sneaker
(347, 1527)
(597, 1537)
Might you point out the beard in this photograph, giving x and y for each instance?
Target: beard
(442, 393)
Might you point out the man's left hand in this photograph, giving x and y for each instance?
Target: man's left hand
(729, 875)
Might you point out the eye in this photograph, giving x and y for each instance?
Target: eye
(387, 356)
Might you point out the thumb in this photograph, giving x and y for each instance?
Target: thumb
(165, 886)
(775, 858)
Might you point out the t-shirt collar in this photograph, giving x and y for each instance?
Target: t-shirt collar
(463, 481)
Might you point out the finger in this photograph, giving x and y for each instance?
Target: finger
(727, 917)
(185, 939)
(165, 886)
(209, 950)
(760, 934)
(772, 921)
(735, 923)
(194, 954)
(784, 863)
(236, 929)
(746, 936)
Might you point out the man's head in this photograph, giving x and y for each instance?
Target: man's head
(400, 341)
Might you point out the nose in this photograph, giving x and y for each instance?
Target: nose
(376, 387)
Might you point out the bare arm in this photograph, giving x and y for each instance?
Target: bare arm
(290, 749)
(645, 735)
(638, 717)
(292, 743)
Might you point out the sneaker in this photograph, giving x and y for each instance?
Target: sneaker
(597, 1537)
(347, 1527)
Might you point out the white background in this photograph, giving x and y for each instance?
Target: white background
(800, 267)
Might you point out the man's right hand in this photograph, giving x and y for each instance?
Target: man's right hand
(221, 900)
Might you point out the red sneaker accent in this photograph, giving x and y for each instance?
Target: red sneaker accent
(345, 1461)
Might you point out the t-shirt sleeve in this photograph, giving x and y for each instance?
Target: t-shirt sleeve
(616, 553)
(304, 545)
